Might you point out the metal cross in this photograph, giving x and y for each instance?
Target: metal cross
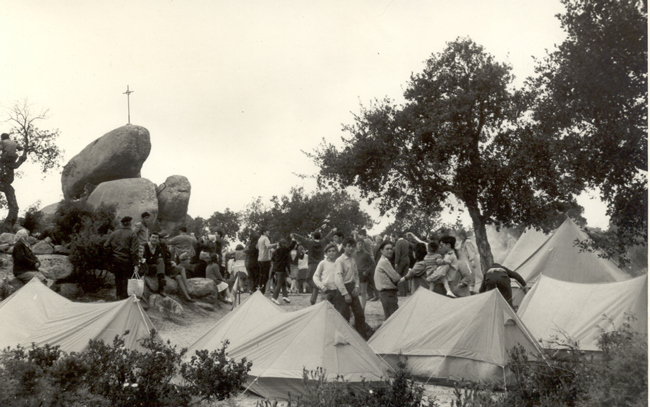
(128, 101)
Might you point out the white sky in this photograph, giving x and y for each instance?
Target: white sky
(233, 91)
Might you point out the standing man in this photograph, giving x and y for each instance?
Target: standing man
(316, 252)
(8, 149)
(264, 258)
(402, 262)
(325, 276)
(123, 244)
(338, 241)
(141, 229)
(346, 277)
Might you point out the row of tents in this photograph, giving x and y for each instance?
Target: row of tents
(443, 338)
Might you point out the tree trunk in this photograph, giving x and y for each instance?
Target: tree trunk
(12, 216)
(482, 242)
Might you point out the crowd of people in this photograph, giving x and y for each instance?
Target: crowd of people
(347, 271)
(350, 271)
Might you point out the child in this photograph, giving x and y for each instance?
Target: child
(437, 274)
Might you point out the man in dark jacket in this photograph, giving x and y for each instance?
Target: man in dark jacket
(124, 246)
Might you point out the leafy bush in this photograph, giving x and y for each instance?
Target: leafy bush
(559, 380)
(112, 375)
(70, 217)
(568, 377)
(32, 219)
(44, 376)
(214, 374)
(401, 391)
(131, 378)
(87, 237)
(620, 377)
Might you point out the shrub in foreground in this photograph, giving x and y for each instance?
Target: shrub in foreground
(618, 376)
(400, 391)
(112, 375)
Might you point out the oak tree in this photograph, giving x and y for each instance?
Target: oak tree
(592, 96)
(463, 133)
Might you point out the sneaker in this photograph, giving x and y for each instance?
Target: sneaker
(274, 301)
(285, 299)
(450, 294)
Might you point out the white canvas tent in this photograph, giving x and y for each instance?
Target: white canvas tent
(527, 244)
(36, 314)
(453, 339)
(559, 258)
(249, 315)
(583, 311)
(282, 345)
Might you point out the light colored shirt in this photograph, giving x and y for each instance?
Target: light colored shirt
(324, 275)
(386, 277)
(345, 271)
(264, 246)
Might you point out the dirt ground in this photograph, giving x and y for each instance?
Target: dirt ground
(184, 331)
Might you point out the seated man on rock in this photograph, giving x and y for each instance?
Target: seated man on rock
(157, 257)
(26, 264)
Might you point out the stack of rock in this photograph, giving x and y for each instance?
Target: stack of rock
(107, 172)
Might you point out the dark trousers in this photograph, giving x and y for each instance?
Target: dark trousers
(263, 276)
(122, 271)
(354, 308)
(402, 268)
(310, 281)
(388, 300)
(253, 272)
(281, 282)
(333, 297)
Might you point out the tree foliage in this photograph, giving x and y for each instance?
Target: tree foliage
(39, 146)
(303, 213)
(227, 222)
(463, 133)
(592, 95)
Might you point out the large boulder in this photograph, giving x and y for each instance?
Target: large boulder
(116, 155)
(55, 266)
(43, 247)
(48, 213)
(173, 198)
(201, 287)
(7, 238)
(171, 227)
(131, 196)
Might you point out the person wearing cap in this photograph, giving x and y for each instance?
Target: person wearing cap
(124, 246)
(141, 229)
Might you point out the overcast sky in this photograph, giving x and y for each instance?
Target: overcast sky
(232, 92)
